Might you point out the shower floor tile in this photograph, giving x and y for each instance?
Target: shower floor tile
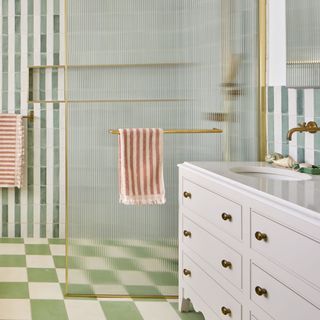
(32, 282)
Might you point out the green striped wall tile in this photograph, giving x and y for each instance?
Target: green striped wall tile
(307, 104)
(30, 35)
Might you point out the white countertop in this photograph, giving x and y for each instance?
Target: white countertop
(304, 194)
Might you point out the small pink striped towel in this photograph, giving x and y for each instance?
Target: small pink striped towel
(11, 150)
(141, 166)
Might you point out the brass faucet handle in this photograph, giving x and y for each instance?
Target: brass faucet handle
(302, 124)
(312, 127)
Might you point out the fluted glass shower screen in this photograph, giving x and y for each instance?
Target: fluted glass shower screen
(303, 43)
(147, 63)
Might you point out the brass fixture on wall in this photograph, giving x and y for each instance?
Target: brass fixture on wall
(310, 127)
(29, 117)
(171, 131)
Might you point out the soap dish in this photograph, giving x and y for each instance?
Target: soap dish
(313, 170)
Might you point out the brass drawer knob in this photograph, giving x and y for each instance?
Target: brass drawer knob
(187, 272)
(261, 236)
(187, 195)
(226, 216)
(226, 264)
(261, 291)
(226, 311)
(187, 233)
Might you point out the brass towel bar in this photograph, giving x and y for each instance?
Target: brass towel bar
(29, 117)
(214, 130)
(295, 62)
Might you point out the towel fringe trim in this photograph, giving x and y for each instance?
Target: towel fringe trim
(152, 200)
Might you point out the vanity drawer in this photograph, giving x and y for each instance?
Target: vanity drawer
(221, 257)
(216, 209)
(287, 247)
(210, 291)
(279, 301)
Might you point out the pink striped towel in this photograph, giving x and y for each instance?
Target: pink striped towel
(11, 150)
(141, 166)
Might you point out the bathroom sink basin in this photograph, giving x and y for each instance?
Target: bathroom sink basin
(271, 173)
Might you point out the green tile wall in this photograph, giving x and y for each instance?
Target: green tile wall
(286, 108)
(30, 35)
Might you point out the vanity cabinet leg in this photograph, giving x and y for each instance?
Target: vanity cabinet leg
(185, 305)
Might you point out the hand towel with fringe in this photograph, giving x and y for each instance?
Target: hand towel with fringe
(141, 166)
(11, 150)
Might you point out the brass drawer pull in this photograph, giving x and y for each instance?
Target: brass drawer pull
(187, 233)
(226, 311)
(261, 236)
(261, 291)
(187, 272)
(226, 216)
(226, 264)
(187, 195)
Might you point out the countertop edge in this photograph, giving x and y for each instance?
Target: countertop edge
(282, 202)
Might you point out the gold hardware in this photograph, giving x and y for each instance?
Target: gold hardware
(293, 62)
(187, 194)
(187, 233)
(310, 127)
(117, 65)
(261, 236)
(261, 291)
(29, 117)
(214, 130)
(226, 264)
(108, 100)
(226, 216)
(219, 116)
(187, 272)
(48, 66)
(118, 296)
(226, 311)
(262, 97)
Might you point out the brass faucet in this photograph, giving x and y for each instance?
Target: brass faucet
(311, 127)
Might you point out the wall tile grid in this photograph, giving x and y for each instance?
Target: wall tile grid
(32, 34)
(286, 108)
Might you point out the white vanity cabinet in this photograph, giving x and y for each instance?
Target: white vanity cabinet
(246, 251)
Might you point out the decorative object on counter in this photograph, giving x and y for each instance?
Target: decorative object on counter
(270, 157)
(287, 162)
(310, 127)
(307, 168)
(279, 160)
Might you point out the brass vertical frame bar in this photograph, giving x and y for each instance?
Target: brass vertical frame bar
(30, 85)
(66, 139)
(262, 79)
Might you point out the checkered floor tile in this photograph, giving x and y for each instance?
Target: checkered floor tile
(32, 279)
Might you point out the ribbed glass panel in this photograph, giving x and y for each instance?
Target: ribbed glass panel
(303, 43)
(149, 63)
(239, 84)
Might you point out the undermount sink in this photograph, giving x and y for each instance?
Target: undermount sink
(271, 173)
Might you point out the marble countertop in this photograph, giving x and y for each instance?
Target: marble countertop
(304, 194)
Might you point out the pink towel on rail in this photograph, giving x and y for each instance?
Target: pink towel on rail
(11, 150)
(141, 166)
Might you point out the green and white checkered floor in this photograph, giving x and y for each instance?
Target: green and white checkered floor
(32, 278)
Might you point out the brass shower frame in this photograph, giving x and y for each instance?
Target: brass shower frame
(262, 121)
(262, 140)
